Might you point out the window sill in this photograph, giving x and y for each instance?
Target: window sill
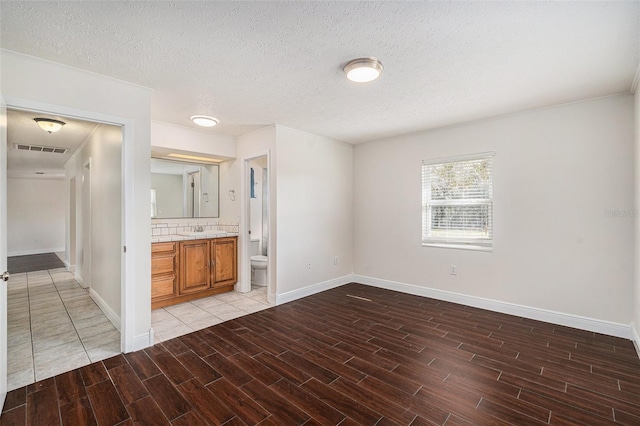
(458, 246)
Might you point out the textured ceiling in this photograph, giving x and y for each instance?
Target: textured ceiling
(21, 129)
(252, 64)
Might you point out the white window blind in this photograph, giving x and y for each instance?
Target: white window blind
(457, 201)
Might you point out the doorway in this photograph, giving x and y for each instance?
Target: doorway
(67, 325)
(257, 250)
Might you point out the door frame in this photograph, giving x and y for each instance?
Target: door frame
(245, 238)
(3, 251)
(87, 239)
(127, 293)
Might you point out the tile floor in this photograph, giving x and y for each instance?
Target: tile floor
(53, 326)
(177, 320)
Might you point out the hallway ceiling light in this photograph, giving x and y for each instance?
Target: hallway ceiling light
(204, 120)
(363, 70)
(49, 125)
(194, 158)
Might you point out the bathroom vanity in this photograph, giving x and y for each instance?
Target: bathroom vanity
(193, 268)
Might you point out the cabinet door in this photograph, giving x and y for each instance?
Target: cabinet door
(223, 254)
(194, 266)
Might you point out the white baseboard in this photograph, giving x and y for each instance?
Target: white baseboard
(110, 314)
(142, 341)
(560, 318)
(34, 251)
(635, 338)
(312, 289)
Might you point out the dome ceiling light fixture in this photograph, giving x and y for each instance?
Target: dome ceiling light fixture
(204, 120)
(49, 125)
(363, 70)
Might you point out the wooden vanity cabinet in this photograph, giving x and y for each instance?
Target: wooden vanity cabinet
(186, 270)
(164, 271)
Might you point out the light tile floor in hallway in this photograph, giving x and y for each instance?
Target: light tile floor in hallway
(177, 320)
(53, 326)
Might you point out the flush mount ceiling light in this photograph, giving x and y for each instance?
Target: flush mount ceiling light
(204, 120)
(363, 70)
(49, 125)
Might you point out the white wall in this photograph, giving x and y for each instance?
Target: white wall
(50, 87)
(174, 138)
(104, 148)
(557, 171)
(314, 210)
(35, 216)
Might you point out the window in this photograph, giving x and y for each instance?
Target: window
(457, 202)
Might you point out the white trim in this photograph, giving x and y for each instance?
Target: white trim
(142, 341)
(244, 262)
(35, 251)
(635, 338)
(312, 289)
(560, 318)
(128, 340)
(110, 314)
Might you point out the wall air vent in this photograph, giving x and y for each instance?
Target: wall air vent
(35, 148)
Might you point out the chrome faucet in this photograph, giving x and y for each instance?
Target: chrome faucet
(198, 229)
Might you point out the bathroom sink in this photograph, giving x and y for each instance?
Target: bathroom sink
(203, 234)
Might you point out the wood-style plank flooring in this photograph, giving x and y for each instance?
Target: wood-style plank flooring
(352, 355)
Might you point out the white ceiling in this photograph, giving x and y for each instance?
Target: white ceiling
(21, 129)
(252, 64)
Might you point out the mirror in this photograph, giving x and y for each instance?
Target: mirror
(183, 190)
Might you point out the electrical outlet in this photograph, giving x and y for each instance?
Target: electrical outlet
(454, 270)
(309, 265)
(335, 260)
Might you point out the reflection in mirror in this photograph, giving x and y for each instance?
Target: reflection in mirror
(181, 190)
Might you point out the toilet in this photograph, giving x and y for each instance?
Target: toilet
(259, 270)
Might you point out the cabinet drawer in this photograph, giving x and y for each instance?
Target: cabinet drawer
(163, 286)
(162, 265)
(163, 247)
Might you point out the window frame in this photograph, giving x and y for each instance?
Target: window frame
(467, 243)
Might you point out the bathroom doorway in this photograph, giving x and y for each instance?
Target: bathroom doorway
(257, 249)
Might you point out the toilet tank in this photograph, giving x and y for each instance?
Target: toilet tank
(254, 247)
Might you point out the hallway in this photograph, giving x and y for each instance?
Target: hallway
(53, 326)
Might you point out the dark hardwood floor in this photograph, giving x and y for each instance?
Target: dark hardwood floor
(348, 356)
(33, 262)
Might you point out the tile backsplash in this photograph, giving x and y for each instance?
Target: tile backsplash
(167, 231)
